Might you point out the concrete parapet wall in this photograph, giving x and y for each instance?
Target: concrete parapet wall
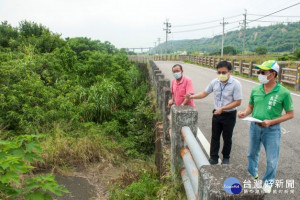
(211, 177)
(211, 183)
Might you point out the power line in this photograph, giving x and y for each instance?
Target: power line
(273, 15)
(245, 22)
(207, 22)
(271, 21)
(233, 28)
(234, 16)
(198, 29)
(274, 12)
(205, 28)
(234, 22)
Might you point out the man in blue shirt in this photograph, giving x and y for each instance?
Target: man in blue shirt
(227, 97)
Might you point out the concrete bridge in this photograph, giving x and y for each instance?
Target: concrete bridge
(288, 168)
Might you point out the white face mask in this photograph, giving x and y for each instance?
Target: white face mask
(263, 78)
(177, 75)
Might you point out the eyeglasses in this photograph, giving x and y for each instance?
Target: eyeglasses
(222, 73)
(262, 72)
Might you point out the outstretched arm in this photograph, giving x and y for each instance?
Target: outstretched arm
(196, 96)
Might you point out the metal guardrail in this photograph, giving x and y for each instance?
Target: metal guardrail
(193, 159)
(193, 145)
(188, 186)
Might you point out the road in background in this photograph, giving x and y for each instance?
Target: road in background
(289, 161)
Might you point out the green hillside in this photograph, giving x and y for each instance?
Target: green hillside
(275, 38)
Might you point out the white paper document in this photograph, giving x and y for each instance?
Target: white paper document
(251, 119)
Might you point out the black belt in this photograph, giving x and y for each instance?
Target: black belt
(226, 112)
(233, 111)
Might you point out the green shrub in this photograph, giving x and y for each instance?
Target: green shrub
(16, 157)
(297, 53)
(261, 50)
(146, 187)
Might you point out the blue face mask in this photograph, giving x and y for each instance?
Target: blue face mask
(177, 75)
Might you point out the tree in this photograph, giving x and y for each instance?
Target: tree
(261, 50)
(229, 50)
(297, 53)
(81, 44)
(39, 36)
(7, 34)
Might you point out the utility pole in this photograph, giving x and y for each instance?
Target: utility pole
(223, 35)
(245, 26)
(168, 31)
(154, 52)
(159, 46)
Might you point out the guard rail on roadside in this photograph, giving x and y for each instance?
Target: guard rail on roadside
(200, 179)
(288, 76)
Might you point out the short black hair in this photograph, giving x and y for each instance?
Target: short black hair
(176, 66)
(225, 64)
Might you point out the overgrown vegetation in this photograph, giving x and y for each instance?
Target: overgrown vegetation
(89, 101)
(146, 185)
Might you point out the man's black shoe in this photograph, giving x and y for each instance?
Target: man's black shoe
(225, 161)
(213, 161)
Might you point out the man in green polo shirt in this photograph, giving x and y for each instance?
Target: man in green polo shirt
(266, 104)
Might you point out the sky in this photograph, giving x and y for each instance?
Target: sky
(139, 23)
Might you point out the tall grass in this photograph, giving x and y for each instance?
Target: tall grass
(62, 149)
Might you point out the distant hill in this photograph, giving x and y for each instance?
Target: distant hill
(276, 38)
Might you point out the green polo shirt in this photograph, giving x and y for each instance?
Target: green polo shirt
(270, 106)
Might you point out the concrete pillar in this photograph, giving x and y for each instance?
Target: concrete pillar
(152, 68)
(166, 112)
(211, 183)
(154, 77)
(162, 83)
(159, 78)
(181, 116)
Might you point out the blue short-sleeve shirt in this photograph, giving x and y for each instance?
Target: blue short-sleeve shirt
(225, 93)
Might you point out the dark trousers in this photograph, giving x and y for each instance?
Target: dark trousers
(222, 124)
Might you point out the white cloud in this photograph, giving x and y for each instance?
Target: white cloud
(133, 23)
